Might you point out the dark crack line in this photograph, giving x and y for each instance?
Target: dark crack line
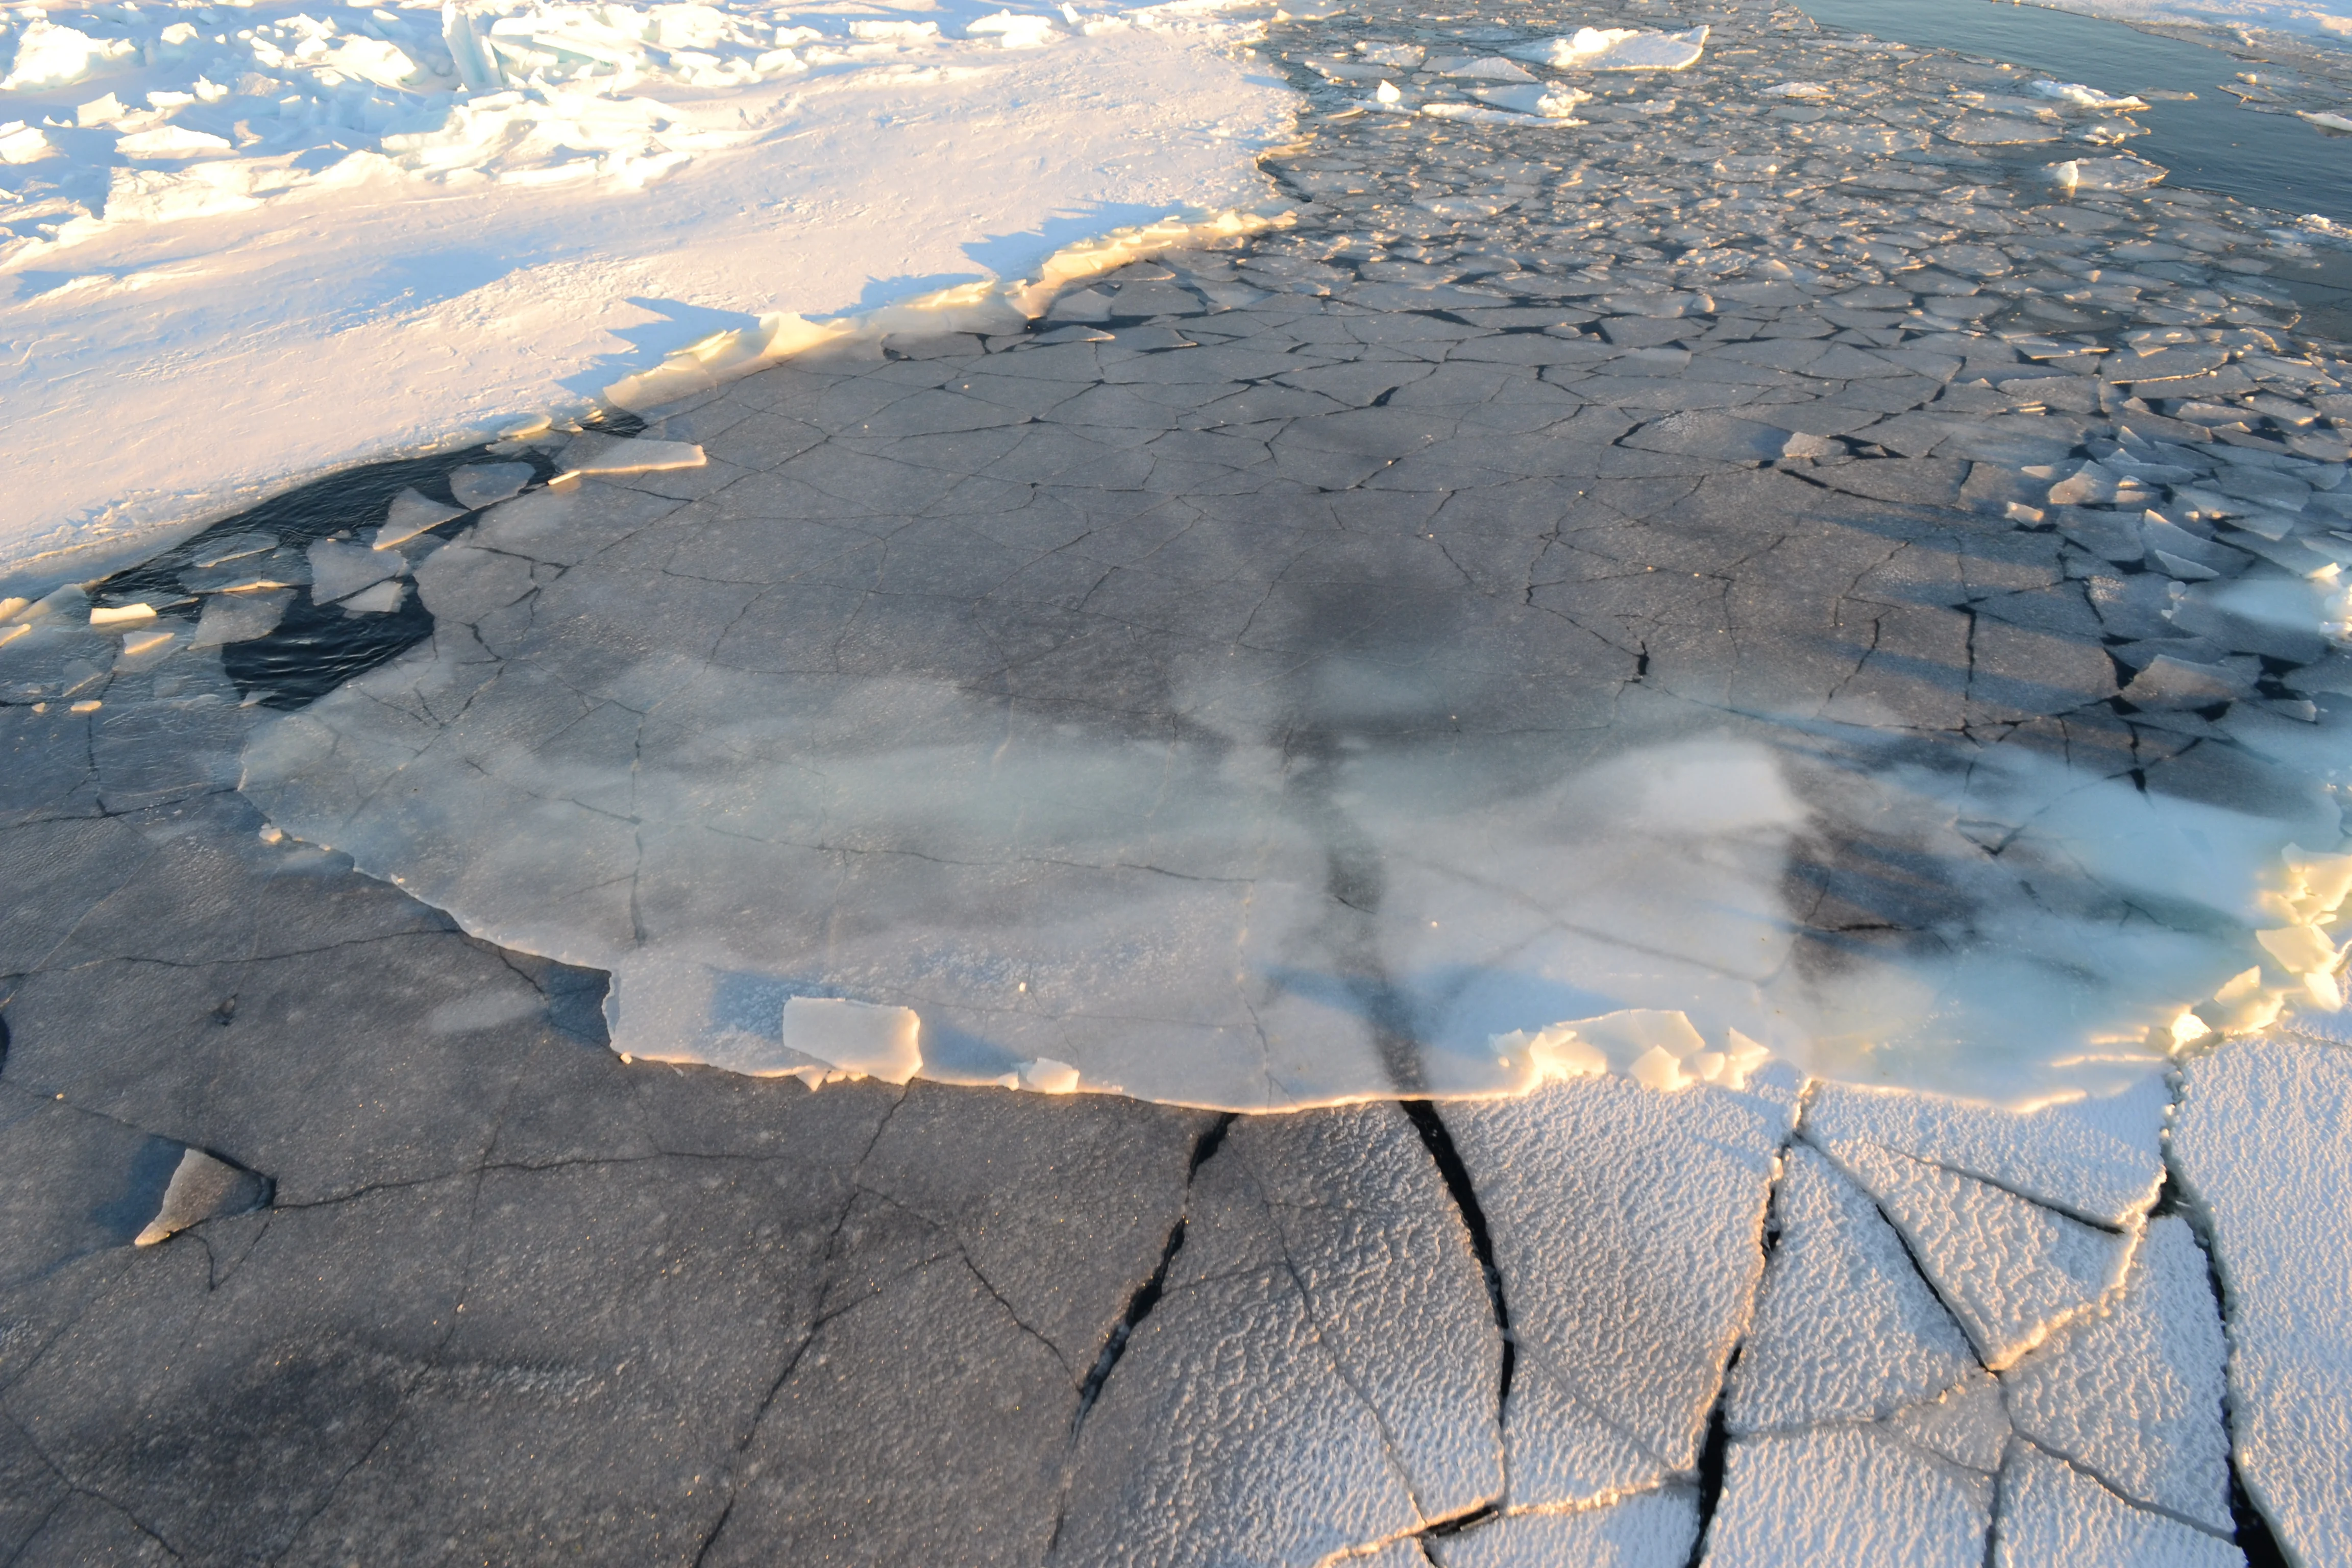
(1438, 1139)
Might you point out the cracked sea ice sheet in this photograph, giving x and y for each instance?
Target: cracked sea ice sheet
(1325, 860)
(1278, 694)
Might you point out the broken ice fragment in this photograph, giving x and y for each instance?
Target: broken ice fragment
(591, 453)
(381, 599)
(339, 570)
(144, 648)
(1797, 90)
(2052, 1513)
(203, 1188)
(1618, 48)
(2075, 93)
(856, 1036)
(479, 485)
(1493, 68)
(105, 615)
(236, 547)
(1553, 103)
(2125, 173)
(1047, 1076)
(240, 618)
(411, 515)
(1996, 130)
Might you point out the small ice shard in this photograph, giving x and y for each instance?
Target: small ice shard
(479, 485)
(106, 617)
(2053, 1514)
(1387, 93)
(203, 1188)
(240, 618)
(2325, 120)
(339, 570)
(592, 453)
(411, 515)
(381, 599)
(2134, 1395)
(1618, 48)
(103, 110)
(856, 1036)
(1405, 57)
(1493, 68)
(2075, 93)
(1797, 90)
(1047, 1076)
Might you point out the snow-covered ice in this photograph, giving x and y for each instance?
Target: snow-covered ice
(2261, 1146)
(262, 242)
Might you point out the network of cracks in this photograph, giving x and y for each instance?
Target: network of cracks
(1739, 401)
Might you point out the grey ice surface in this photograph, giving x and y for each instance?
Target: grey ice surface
(1712, 409)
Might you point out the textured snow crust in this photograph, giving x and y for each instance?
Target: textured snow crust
(2264, 1145)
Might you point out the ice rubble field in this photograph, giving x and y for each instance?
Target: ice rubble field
(259, 241)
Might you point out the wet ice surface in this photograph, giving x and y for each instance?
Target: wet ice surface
(1769, 559)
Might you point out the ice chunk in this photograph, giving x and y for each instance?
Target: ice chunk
(381, 599)
(1997, 130)
(1493, 68)
(202, 1188)
(2134, 1395)
(339, 570)
(1797, 89)
(1405, 57)
(2075, 93)
(172, 141)
(51, 55)
(479, 485)
(2259, 1144)
(2123, 174)
(1552, 102)
(110, 618)
(1846, 1495)
(1846, 1329)
(2010, 1270)
(2054, 1515)
(140, 648)
(1047, 1076)
(597, 454)
(1618, 48)
(240, 618)
(1015, 32)
(411, 515)
(855, 1036)
(1626, 1227)
(2099, 1158)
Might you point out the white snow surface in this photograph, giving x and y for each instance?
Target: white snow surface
(255, 242)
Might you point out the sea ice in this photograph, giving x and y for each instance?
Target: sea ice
(1649, 1529)
(2010, 1270)
(2134, 1396)
(1846, 1494)
(2055, 1516)
(1618, 48)
(596, 454)
(479, 485)
(1625, 1224)
(410, 515)
(2260, 1147)
(1846, 1329)
(381, 599)
(339, 569)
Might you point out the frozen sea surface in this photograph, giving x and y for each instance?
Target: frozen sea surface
(1715, 574)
